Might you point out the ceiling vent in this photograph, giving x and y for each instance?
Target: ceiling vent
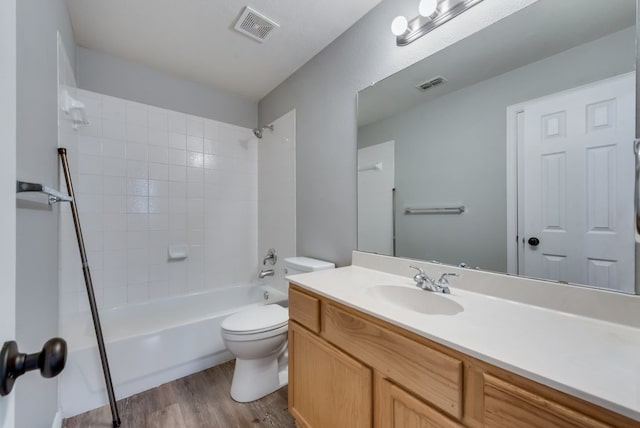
(431, 83)
(255, 25)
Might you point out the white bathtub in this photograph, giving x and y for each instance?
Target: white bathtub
(151, 343)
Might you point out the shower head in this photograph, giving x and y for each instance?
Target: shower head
(258, 131)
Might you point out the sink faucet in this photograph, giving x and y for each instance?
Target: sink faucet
(426, 283)
(264, 273)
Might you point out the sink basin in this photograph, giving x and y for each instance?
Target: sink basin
(415, 299)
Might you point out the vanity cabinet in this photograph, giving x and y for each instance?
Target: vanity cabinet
(351, 369)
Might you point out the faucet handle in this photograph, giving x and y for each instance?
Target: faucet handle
(420, 271)
(271, 257)
(443, 278)
(420, 278)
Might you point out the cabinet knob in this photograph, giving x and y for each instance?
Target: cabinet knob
(13, 364)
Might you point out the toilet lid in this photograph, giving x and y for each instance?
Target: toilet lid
(254, 320)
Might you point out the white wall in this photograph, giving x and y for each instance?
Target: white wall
(277, 195)
(148, 178)
(323, 92)
(113, 76)
(38, 22)
(433, 152)
(7, 190)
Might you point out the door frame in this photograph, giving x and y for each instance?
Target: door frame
(7, 188)
(515, 116)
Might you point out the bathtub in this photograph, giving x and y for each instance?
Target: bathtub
(151, 343)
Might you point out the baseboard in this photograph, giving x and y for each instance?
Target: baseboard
(57, 420)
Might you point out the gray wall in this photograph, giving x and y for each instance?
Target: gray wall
(37, 223)
(323, 92)
(113, 76)
(438, 160)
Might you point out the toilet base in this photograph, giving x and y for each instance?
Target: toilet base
(253, 379)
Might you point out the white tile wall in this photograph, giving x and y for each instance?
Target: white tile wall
(146, 178)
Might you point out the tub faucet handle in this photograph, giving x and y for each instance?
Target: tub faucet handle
(271, 257)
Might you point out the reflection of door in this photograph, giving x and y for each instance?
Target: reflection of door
(376, 178)
(577, 185)
(7, 188)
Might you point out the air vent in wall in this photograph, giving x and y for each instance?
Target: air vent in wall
(255, 25)
(438, 80)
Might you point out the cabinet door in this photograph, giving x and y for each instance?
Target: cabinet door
(396, 408)
(327, 388)
(507, 405)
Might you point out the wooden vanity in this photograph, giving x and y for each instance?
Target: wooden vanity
(350, 369)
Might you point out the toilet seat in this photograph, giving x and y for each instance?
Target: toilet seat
(251, 337)
(256, 321)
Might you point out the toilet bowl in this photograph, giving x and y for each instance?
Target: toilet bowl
(258, 338)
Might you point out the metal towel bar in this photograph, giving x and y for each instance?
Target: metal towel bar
(435, 210)
(54, 195)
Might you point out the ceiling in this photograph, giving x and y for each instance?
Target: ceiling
(194, 39)
(545, 28)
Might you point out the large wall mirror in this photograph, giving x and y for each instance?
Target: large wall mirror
(511, 150)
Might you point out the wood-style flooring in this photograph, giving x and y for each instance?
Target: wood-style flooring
(201, 400)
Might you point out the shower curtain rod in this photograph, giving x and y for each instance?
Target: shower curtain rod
(62, 152)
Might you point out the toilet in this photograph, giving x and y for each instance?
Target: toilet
(258, 338)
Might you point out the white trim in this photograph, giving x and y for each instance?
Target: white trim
(8, 189)
(57, 420)
(513, 179)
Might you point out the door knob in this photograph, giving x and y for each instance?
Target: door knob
(533, 241)
(13, 364)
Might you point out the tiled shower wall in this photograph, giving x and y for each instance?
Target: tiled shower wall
(147, 178)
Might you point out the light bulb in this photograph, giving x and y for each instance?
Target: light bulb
(427, 7)
(399, 25)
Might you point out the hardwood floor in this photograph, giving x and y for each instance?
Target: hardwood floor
(201, 400)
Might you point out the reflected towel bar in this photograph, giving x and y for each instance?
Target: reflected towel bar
(54, 195)
(375, 167)
(440, 210)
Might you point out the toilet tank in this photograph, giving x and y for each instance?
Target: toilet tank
(296, 265)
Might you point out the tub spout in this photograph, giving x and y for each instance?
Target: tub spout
(265, 273)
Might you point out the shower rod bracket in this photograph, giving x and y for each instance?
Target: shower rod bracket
(54, 195)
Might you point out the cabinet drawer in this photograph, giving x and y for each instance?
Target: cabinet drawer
(397, 408)
(304, 309)
(431, 375)
(507, 405)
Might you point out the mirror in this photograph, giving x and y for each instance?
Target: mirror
(511, 150)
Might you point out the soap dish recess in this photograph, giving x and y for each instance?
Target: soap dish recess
(178, 252)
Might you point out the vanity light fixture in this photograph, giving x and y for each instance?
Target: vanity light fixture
(431, 14)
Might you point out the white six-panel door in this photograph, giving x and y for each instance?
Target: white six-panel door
(577, 185)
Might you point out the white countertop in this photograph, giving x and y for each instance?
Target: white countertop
(595, 360)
